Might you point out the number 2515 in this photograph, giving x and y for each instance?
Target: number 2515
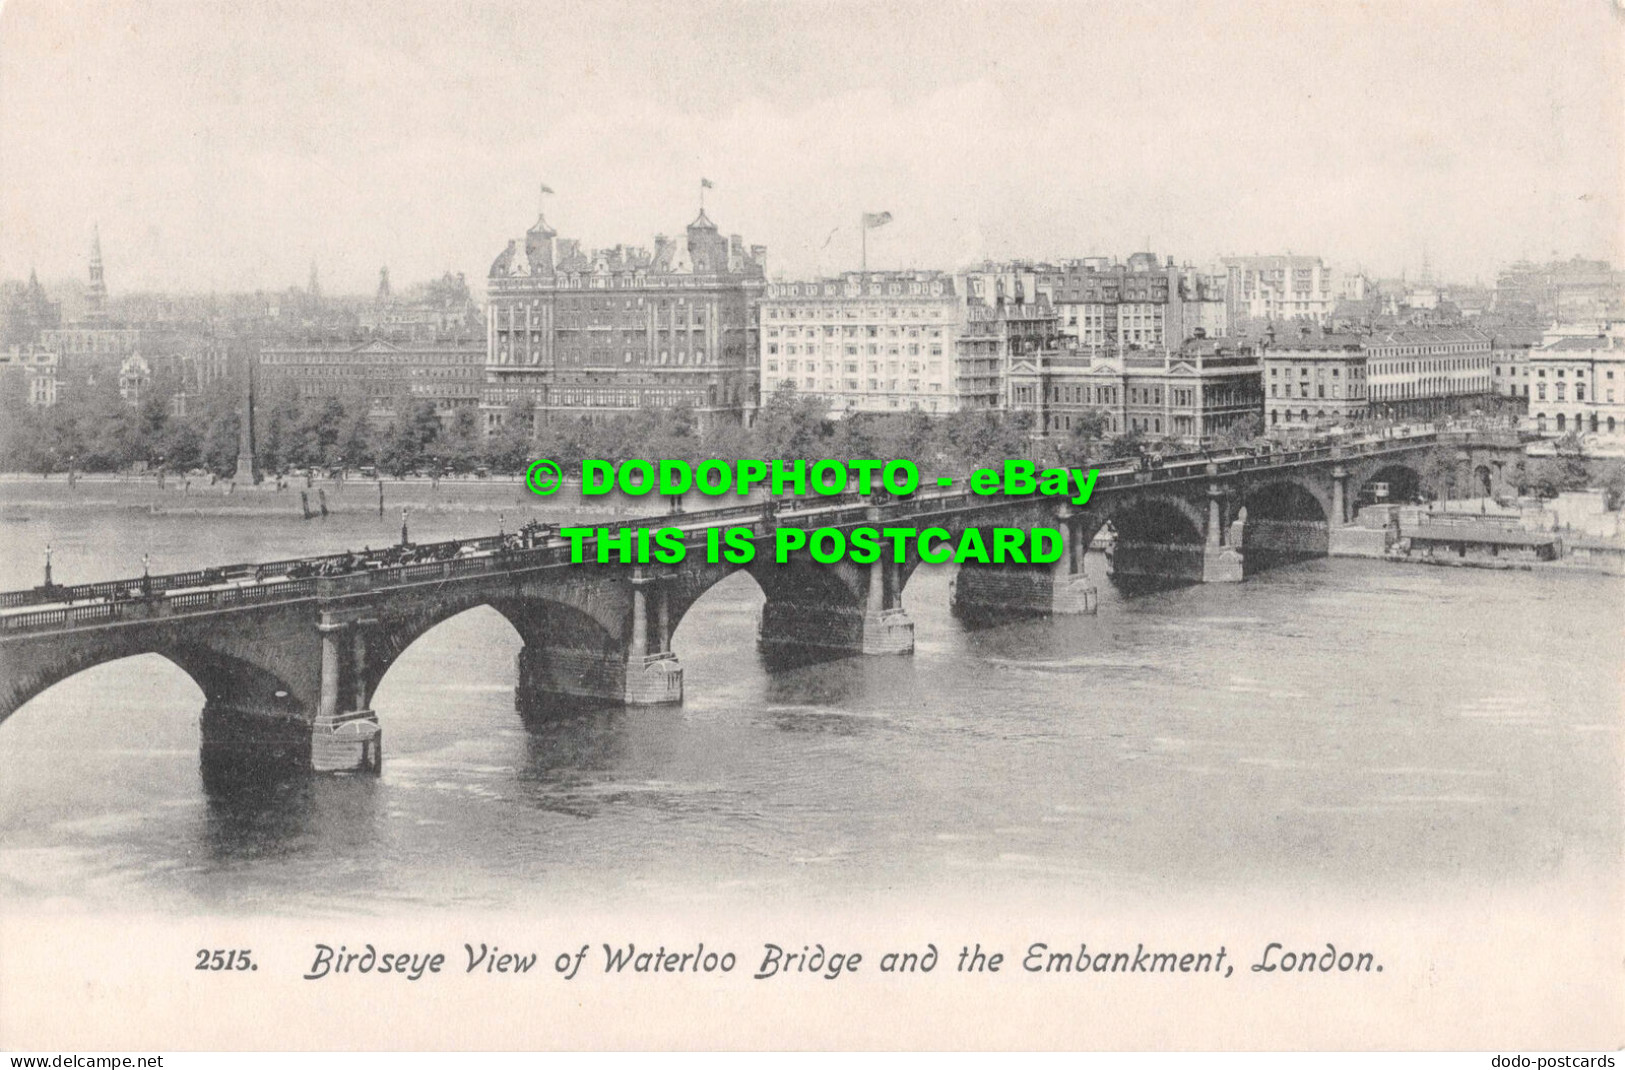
(224, 960)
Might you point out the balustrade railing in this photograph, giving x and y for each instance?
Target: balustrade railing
(241, 584)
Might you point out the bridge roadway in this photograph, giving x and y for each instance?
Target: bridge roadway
(293, 658)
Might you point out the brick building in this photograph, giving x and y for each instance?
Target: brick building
(385, 376)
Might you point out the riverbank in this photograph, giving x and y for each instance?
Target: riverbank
(22, 495)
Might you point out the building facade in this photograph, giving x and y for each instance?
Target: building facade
(1579, 386)
(1139, 304)
(134, 379)
(1315, 379)
(1509, 368)
(996, 336)
(573, 332)
(1206, 388)
(385, 376)
(1419, 374)
(1321, 379)
(1566, 291)
(1279, 288)
(29, 376)
(881, 341)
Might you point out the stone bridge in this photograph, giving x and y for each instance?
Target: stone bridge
(289, 662)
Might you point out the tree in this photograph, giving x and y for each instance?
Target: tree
(508, 448)
(1083, 442)
(407, 444)
(790, 425)
(460, 444)
(1242, 432)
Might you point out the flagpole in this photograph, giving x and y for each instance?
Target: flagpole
(863, 226)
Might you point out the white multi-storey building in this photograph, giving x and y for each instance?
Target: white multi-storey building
(1428, 372)
(878, 341)
(1280, 288)
(1578, 384)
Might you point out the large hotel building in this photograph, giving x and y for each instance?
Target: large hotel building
(894, 341)
(574, 332)
(881, 341)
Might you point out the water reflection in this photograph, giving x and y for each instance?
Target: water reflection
(1346, 724)
(568, 758)
(262, 801)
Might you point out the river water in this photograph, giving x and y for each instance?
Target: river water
(1349, 726)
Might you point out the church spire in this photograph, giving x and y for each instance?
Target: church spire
(96, 296)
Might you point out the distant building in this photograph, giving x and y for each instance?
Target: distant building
(1509, 367)
(134, 379)
(575, 332)
(1003, 323)
(881, 341)
(1206, 388)
(1315, 379)
(1563, 290)
(29, 376)
(385, 376)
(1418, 374)
(1280, 288)
(1140, 304)
(435, 310)
(77, 343)
(25, 311)
(1579, 385)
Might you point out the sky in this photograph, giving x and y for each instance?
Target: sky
(228, 146)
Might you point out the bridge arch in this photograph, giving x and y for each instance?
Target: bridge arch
(225, 678)
(138, 661)
(1150, 516)
(1287, 520)
(385, 646)
(1404, 482)
(537, 621)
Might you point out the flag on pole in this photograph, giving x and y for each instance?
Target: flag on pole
(705, 183)
(546, 188)
(871, 220)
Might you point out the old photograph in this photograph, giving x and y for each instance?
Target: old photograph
(811, 524)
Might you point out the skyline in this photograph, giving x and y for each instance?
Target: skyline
(207, 144)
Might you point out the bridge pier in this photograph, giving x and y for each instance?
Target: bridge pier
(345, 737)
(799, 630)
(555, 672)
(1062, 588)
(1221, 561)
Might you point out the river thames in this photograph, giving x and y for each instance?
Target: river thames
(1353, 727)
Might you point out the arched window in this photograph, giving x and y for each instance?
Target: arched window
(1540, 422)
(1560, 421)
(1610, 425)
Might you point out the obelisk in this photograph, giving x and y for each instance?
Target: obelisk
(246, 469)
